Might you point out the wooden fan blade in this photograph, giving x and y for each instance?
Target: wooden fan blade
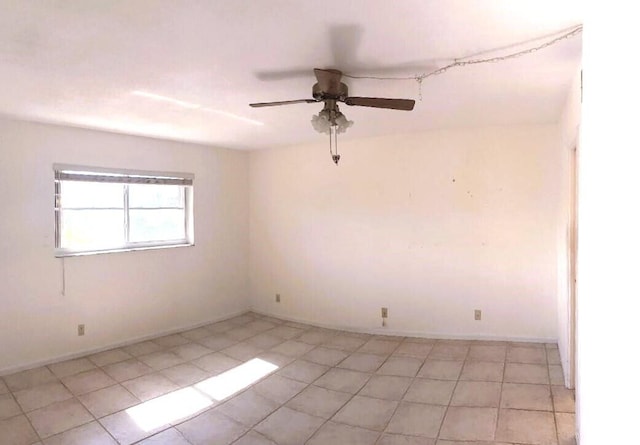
(328, 80)
(377, 102)
(283, 102)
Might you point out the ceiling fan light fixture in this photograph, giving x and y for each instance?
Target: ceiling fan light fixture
(327, 118)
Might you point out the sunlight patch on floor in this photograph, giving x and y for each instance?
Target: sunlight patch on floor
(236, 379)
(182, 403)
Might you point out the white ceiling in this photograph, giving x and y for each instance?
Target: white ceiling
(79, 62)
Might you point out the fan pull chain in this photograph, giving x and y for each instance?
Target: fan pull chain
(333, 140)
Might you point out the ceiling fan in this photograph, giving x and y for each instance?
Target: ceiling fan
(330, 90)
(330, 120)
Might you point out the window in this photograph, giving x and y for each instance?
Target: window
(103, 210)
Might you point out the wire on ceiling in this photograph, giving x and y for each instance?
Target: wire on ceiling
(469, 60)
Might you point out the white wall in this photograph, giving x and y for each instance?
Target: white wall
(607, 383)
(119, 296)
(432, 226)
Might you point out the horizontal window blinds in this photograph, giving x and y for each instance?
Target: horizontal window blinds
(92, 174)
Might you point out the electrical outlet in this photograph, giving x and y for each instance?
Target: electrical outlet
(477, 314)
(80, 329)
(385, 312)
(277, 298)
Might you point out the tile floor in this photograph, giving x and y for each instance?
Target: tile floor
(329, 387)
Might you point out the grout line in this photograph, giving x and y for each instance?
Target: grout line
(504, 371)
(553, 404)
(446, 410)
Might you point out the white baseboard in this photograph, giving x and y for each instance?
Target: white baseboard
(82, 353)
(406, 333)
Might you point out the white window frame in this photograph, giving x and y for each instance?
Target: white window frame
(66, 172)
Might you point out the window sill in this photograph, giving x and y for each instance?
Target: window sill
(59, 253)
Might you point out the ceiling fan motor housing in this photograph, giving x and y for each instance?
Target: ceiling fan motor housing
(338, 92)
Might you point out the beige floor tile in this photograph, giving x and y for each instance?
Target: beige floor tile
(553, 356)
(423, 340)
(29, 378)
(149, 386)
(254, 438)
(211, 427)
(170, 341)
(161, 360)
(343, 380)
(401, 366)
(379, 346)
(526, 396)
(278, 388)
(264, 341)
(530, 427)
(475, 442)
(90, 433)
(336, 433)
(125, 429)
(411, 349)
(483, 371)
(448, 352)
(399, 439)
(477, 394)
(71, 367)
(319, 402)
(564, 400)
(240, 333)
(362, 362)
(215, 362)
(289, 427)
(556, 375)
(185, 374)
(441, 369)
(141, 348)
(108, 400)
(525, 344)
(17, 431)
(248, 408)
(463, 423)
(217, 342)
(59, 417)
(487, 353)
(526, 373)
(108, 357)
(366, 412)
(416, 419)
(127, 370)
(190, 351)
(8, 407)
(303, 371)
(316, 336)
(325, 356)
(259, 326)
(536, 356)
(292, 348)
(196, 334)
(41, 396)
(3, 387)
(167, 437)
(286, 332)
(566, 423)
(87, 381)
(242, 351)
(276, 359)
(432, 392)
(386, 387)
(345, 342)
